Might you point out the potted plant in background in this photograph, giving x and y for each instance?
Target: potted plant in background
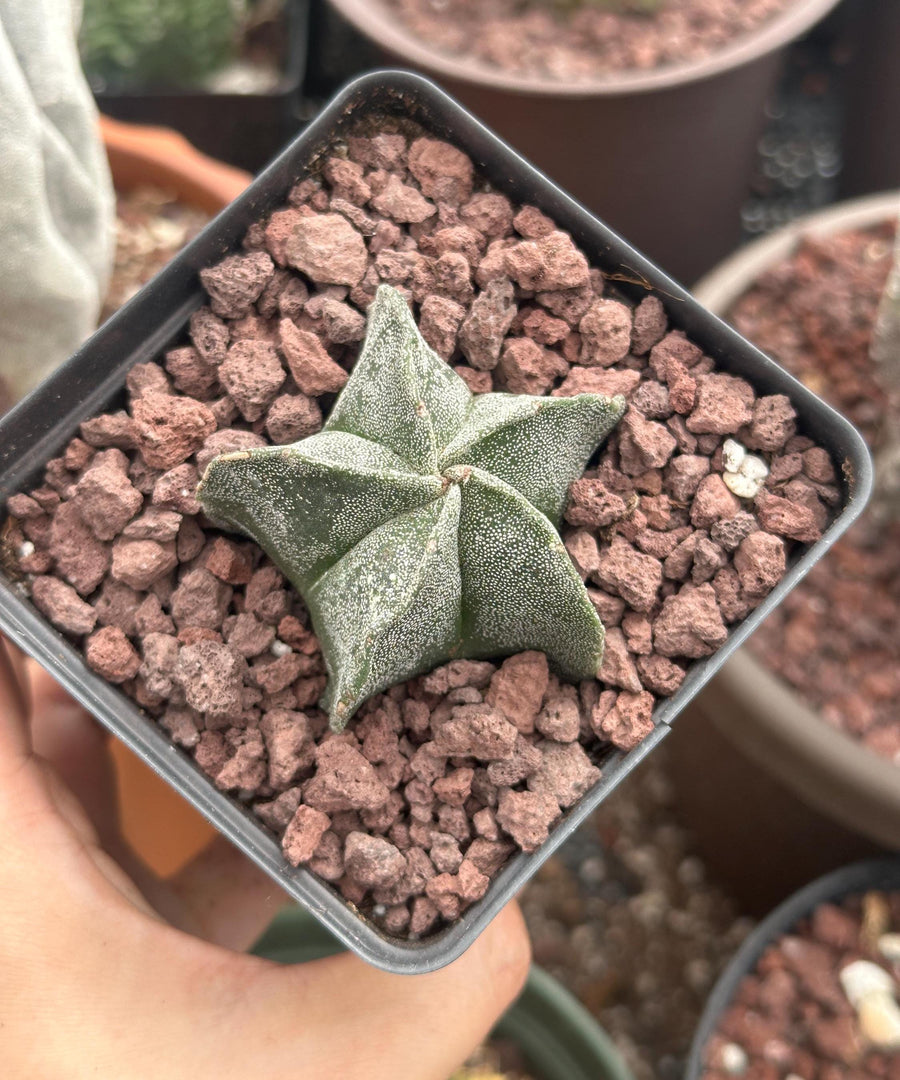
(871, 37)
(653, 141)
(526, 763)
(226, 75)
(793, 739)
(814, 989)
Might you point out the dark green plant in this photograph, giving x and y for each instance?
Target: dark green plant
(128, 43)
(420, 524)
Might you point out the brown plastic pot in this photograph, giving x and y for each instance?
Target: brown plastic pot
(664, 156)
(749, 750)
(872, 99)
(164, 829)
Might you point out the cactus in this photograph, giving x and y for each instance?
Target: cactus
(419, 524)
(127, 43)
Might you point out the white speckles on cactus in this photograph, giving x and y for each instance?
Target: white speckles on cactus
(420, 524)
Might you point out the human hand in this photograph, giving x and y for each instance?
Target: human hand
(108, 972)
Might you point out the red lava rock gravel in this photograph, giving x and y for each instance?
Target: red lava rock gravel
(835, 639)
(580, 42)
(413, 809)
(792, 1016)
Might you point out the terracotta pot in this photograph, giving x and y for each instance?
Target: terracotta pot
(750, 747)
(164, 829)
(163, 158)
(661, 156)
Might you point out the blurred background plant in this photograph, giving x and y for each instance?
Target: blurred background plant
(161, 43)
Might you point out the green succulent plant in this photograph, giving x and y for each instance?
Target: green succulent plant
(157, 42)
(419, 524)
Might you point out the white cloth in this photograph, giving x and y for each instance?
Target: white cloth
(56, 198)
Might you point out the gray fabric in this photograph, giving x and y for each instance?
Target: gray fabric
(56, 199)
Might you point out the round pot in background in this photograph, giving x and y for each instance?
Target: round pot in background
(164, 829)
(872, 98)
(861, 877)
(774, 794)
(662, 156)
(555, 1033)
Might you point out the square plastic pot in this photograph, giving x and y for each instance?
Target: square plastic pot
(245, 130)
(93, 381)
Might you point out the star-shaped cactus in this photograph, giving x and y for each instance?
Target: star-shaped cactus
(420, 524)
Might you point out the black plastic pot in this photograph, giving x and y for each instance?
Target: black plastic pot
(557, 1035)
(859, 877)
(246, 130)
(93, 380)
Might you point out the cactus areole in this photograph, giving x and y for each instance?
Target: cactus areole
(420, 524)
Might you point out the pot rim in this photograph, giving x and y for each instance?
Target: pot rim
(795, 728)
(41, 424)
(832, 887)
(374, 20)
(140, 154)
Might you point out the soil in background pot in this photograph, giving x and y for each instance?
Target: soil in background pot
(573, 41)
(411, 811)
(151, 227)
(792, 1016)
(835, 639)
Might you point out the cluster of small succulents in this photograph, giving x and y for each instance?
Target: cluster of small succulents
(420, 525)
(126, 43)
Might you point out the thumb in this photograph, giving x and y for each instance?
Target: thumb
(376, 1026)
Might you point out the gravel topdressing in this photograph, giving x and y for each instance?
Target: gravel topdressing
(835, 639)
(573, 42)
(809, 1009)
(680, 530)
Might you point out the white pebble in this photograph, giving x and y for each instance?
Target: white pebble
(279, 648)
(733, 1059)
(754, 468)
(733, 455)
(745, 487)
(889, 947)
(26, 548)
(863, 979)
(879, 1021)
